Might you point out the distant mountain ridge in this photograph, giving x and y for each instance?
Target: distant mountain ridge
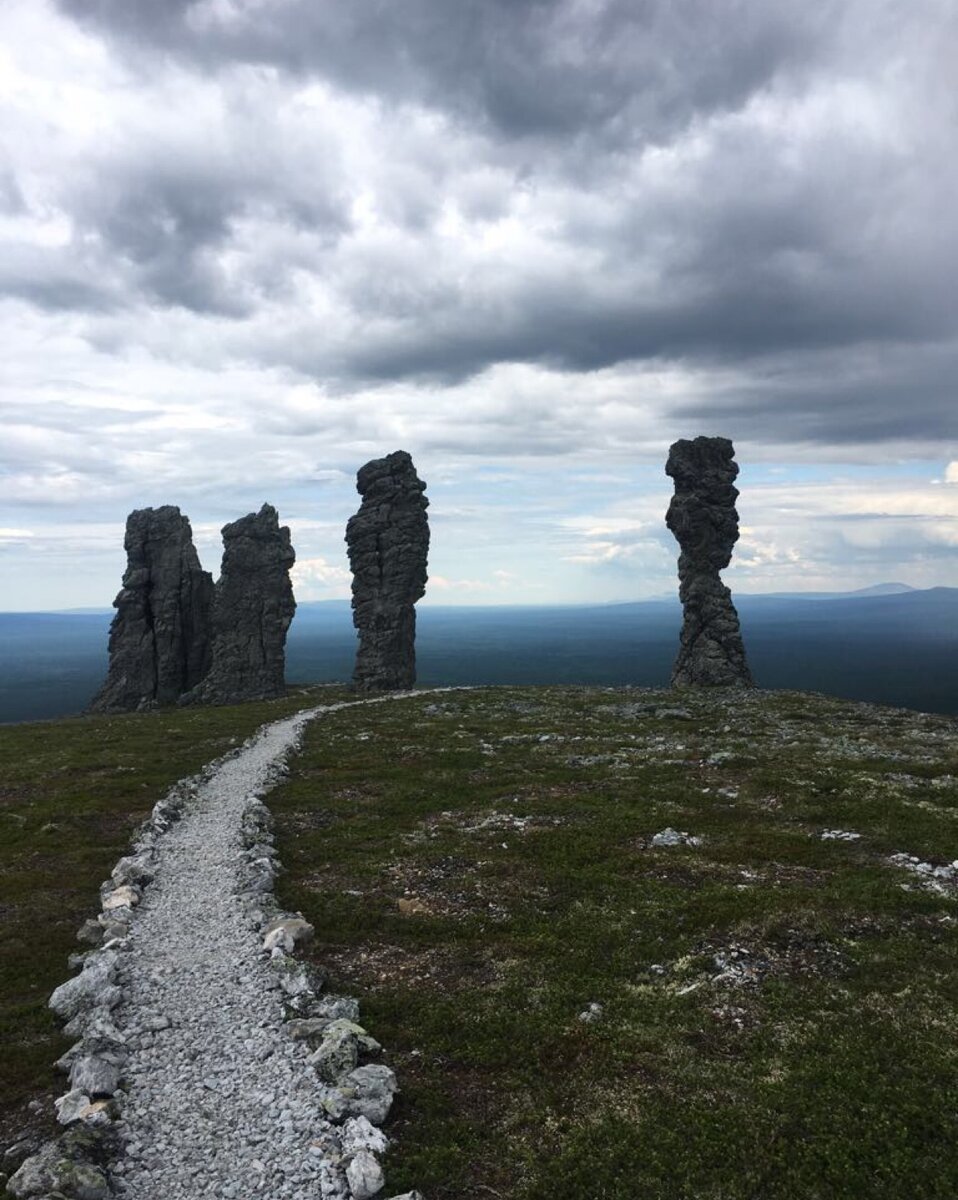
(876, 589)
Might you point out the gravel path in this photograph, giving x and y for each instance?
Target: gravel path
(221, 1102)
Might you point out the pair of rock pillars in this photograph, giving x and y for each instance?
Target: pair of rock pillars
(178, 639)
(388, 542)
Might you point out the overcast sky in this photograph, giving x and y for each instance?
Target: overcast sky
(249, 244)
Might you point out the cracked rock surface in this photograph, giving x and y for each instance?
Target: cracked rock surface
(388, 542)
(159, 639)
(703, 518)
(253, 607)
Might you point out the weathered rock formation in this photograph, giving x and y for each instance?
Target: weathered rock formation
(253, 606)
(703, 519)
(388, 542)
(160, 636)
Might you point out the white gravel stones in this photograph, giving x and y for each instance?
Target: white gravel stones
(220, 1101)
(942, 879)
(206, 1023)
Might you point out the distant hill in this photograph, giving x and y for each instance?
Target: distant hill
(876, 589)
(891, 644)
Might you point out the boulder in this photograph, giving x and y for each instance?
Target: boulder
(53, 1171)
(71, 1105)
(370, 1090)
(92, 988)
(334, 1007)
(121, 897)
(96, 1075)
(287, 933)
(364, 1176)
(338, 1053)
(360, 1134)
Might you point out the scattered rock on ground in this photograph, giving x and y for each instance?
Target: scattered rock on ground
(673, 837)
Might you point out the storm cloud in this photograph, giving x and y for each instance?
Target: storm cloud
(277, 237)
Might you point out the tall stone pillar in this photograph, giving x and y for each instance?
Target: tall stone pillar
(388, 543)
(253, 607)
(160, 636)
(703, 519)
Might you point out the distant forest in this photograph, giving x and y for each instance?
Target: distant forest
(899, 649)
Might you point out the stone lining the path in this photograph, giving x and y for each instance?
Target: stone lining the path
(192, 1010)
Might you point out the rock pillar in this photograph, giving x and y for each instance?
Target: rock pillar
(253, 607)
(703, 519)
(160, 636)
(388, 543)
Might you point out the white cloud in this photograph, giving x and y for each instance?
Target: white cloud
(317, 579)
(8, 536)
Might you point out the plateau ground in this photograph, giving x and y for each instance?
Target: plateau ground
(616, 942)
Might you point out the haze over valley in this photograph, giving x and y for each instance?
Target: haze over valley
(895, 647)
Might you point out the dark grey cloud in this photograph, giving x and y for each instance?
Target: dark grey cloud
(878, 393)
(584, 330)
(151, 216)
(366, 193)
(636, 69)
(53, 281)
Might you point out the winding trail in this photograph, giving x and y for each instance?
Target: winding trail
(220, 1101)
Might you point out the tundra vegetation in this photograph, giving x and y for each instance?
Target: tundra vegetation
(573, 1010)
(615, 942)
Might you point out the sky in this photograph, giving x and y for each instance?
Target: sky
(248, 245)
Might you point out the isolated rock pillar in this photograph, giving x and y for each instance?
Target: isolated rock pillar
(703, 519)
(160, 636)
(253, 607)
(388, 543)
